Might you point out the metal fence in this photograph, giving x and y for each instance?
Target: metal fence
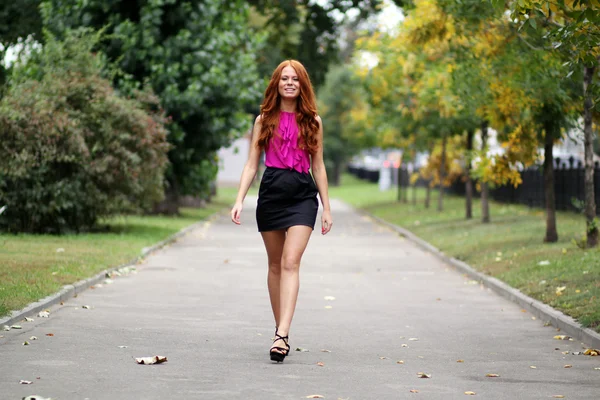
(568, 185)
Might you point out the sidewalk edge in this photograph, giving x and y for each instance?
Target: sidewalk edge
(68, 291)
(535, 307)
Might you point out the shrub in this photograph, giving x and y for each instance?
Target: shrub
(71, 149)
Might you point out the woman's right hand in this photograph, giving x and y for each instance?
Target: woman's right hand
(236, 212)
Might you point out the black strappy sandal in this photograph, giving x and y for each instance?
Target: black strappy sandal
(280, 355)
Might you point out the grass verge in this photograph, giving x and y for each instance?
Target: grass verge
(35, 266)
(509, 248)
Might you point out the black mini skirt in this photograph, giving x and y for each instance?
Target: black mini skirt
(286, 198)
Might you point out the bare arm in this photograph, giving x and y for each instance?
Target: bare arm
(248, 172)
(320, 175)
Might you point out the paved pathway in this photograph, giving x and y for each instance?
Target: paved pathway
(202, 302)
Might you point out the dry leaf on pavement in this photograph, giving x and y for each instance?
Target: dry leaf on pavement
(325, 351)
(24, 382)
(470, 393)
(423, 375)
(151, 360)
(33, 338)
(414, 391)
(568, 366)
(330, 298)
(301, 349)
(43, 314)
(492, 375)
(315, 396)
(562, 337)
(460, 361)
(36, 397)
(400, 362)
(558, 396)
(86, 307)
(532, 367)
(321, 364)
(592, 352)
(27, 319)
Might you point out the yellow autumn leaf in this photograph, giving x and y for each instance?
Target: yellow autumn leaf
(470, 393)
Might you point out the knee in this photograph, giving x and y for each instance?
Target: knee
(290, 264)
(275, 268)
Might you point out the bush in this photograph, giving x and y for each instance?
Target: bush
(71, 149)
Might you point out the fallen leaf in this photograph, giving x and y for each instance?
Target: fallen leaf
(592, 352)
(60, 250)
(414, 339)
(36, 397)
(321, 364)
(301, 349)
(43, 314)
(151, 360)
(532, 367)
(49, 334)
(414, 391)
(383, 358)
(559, 290)
(24, 382)
(470, 393)
(122, 347)
(404, 345)
(568, 366)
(562, 337)
(565, 352)
(423, 375)
(33, 338)
(6, 328)
(523, 310)
(598, 368)
(492, 375)
(330, 298)
(226, 261)
(438, 299)
(16, 327)
(86, 307)
(400, 362)
(328, 307)
(315, 396)
(420, 357)
(26, 343)
(545, 262)
(325, 351)
(27, 319)
(558, 396)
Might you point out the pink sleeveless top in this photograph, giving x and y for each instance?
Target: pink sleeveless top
(282, 151)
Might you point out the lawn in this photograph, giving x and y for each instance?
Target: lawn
(509, 248)
(35, 266)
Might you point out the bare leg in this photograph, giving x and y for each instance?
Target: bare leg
(295, 244)
(274, 241)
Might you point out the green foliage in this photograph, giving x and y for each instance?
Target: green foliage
(337, 97)
(72, 150)
(199, 56)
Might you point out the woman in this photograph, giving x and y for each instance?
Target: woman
(290, 132)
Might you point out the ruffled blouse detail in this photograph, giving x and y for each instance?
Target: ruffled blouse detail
(283, 151)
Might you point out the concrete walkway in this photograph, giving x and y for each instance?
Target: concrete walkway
(203, 303)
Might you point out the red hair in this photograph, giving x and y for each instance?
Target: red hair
(306, 109)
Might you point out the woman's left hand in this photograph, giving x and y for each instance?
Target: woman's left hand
(326, 222)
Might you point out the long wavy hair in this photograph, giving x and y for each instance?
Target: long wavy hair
(306, 109)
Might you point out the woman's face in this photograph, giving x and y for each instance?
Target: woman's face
(289, 84)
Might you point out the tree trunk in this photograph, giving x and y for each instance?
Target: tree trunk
(590, 201)
(469, 182)
(399, 183)
(337, 173)
(428, 195)
(170, 204)
(414, 194)
(405, 191)
(485, 193)
(551, 233)
(442, 173)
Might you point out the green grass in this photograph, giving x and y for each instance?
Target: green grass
(31, 268)
(510, 248)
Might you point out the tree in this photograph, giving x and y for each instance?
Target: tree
(72, 150)
(199, 56)
(573, 29)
